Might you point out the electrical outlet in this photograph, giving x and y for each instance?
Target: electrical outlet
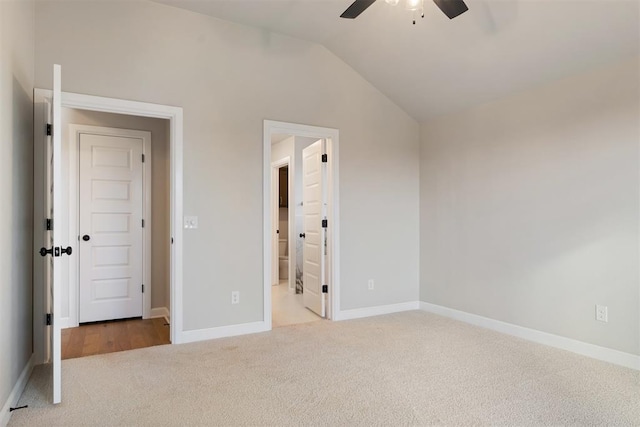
(370, 284)
(235, 297)
(602, 313)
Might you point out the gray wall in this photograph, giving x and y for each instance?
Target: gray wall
(16, 189)
(529, 208)
(160, 179)
(229, 78)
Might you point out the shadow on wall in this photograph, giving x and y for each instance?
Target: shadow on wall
(22, 203)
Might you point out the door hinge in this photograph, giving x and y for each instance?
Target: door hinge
(325, 223)
(48, 319)
(143, 288)
(325, 289)
(325, 158)
(143, 223)
(49, 130)
(143, 158)
(48, 224)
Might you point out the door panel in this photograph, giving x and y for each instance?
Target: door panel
(313, 213)
(111, 203)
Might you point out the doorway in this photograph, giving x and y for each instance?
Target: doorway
(287, 305)
(301, 234)
(116, 289)
(171, 118)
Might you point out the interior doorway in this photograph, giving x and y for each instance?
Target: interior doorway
(48, 288)
(287, 305)
(116, 289)
(301, 275)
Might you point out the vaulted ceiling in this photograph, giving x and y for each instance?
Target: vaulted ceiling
(440, 65)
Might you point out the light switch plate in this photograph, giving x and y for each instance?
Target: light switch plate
(191, 222)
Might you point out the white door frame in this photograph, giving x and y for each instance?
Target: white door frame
(275, 219)
(333, 231)
(74, 209)
(119, 106)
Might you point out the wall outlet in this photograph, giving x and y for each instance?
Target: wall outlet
(370, 284)
(235, 297)
(602, 313)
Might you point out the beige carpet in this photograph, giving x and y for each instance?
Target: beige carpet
(407, 368)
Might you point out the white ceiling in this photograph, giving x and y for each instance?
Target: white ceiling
(440, 65)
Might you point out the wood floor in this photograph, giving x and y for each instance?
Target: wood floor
(108, 337)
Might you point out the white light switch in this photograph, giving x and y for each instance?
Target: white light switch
(190, 222)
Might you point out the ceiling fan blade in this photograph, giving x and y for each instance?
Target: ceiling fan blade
(356, 8)
(451, 8)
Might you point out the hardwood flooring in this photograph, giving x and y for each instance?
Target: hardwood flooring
(118, 335)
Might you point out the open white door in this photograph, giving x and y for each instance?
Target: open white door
(314, 212)
(53, 249)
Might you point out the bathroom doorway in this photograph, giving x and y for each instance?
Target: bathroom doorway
(299, 172)
(287, 299)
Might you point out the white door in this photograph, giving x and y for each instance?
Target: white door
(313, 210)
(53, 250)
(111, 200)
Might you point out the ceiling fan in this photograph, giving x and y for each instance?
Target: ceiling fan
(451, 8)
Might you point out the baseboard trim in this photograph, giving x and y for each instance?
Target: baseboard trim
(224, 331)
(585, 349)
(358, 313)
(159, 312)
(16, 392)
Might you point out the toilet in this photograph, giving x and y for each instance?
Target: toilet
(283, 259)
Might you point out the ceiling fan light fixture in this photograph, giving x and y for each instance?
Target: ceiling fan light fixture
(451, 8)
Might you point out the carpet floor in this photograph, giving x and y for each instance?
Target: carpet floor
(410, 368)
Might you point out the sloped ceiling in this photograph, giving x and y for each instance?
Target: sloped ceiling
(440, 65)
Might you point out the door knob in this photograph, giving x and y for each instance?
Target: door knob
(86, 238)
(45, 251)
(303, 235)
(56, 251)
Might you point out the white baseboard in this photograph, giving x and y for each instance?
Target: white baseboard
(16, 392)
(590, 350)
(358, 313)
(224, 331)
(160, 312)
